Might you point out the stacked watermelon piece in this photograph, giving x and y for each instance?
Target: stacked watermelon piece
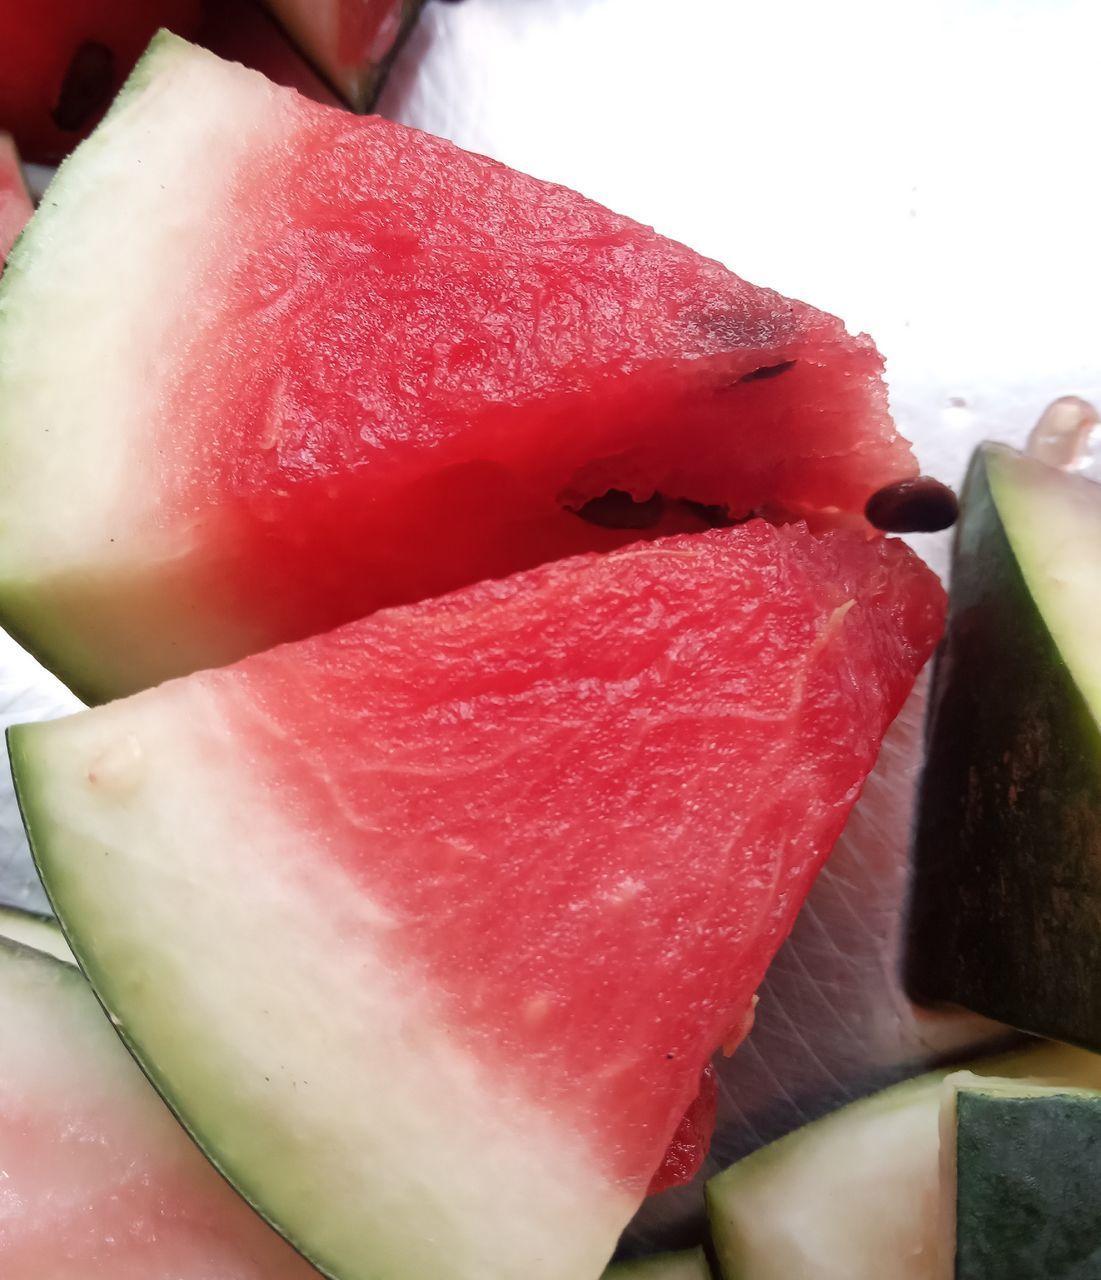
(525, 649)
(352, 42)
(15, 201)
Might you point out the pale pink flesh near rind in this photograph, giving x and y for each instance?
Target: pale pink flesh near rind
(510, 862)
(354, 365)
(99, 1180)
(15, 202)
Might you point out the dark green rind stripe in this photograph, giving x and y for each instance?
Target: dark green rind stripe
(1026, 1186)
(1005, 908)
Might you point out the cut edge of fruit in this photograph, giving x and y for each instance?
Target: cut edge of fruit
(552, 1166)
(36, 931)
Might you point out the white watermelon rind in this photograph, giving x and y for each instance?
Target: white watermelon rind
(35, 816)
(225, 983)
(36, 931)
(25, 616)
(98, 287)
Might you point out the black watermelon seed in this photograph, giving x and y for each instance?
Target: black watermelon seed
(920, 505)
(767, 371)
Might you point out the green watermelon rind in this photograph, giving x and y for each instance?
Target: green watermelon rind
(36, 931)
(35, 816)
(25, 616)
(682, 1264)
(559, 1192)
(828, 1142)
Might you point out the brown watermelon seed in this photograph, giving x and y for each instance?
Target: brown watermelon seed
(87, 86)
(920, 505)
(767, 371)
(618, 510)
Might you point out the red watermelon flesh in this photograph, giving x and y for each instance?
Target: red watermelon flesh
(356, 366)
(492, 875)
(64, 60)
(691, 1139)
(15, 203)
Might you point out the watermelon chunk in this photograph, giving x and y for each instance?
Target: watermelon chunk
(354, 366)
(350, 41)
(64, 61)
(426, 927)
(15, 202)
(99, 1180)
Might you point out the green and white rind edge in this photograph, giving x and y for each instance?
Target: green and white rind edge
(856, 1195)
(40, 933)
(1052, 522)
(252, 986)
(684, 1264)
(94, 287)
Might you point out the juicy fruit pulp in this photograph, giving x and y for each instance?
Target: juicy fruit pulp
(351, 41)
(99, 1180)
(476, 885)
(355, 366)
(15, 203)
(64, 61)
(1007, 861)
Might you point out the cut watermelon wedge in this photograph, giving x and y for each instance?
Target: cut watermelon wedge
(99, 1180)
(338, 364)
(15, 201)
(427, 927)
(350, 41)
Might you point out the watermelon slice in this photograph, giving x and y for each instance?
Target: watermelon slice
(426, 927)
(350, 41)
(64, 60)
(355, 366)
(99, 1180)
(15, 202)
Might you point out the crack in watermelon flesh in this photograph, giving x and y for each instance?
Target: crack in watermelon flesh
(338, 365)
(477, 885)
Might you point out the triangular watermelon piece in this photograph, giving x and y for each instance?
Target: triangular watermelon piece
(351, 41)
(287, 366)
(99, 1182)
(427, 926)
(15, 201)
